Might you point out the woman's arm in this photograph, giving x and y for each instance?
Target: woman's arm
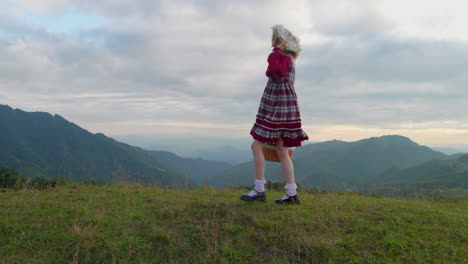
(278, 64)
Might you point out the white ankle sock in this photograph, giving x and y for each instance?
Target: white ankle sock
(291, 190)
(259, 187)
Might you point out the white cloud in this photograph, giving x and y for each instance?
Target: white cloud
(184, 63)
(427, 20)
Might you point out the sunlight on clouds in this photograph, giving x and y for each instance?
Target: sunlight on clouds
(150, 127)
(449, 132)
(425, 134)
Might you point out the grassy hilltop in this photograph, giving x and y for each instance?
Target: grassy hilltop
(133, 224)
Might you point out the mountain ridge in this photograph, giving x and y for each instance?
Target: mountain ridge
(436, 178)
(340, 165)
(42, 144)
(39, 144)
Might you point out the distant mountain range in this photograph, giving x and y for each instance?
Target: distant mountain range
(230, 150)
(225, 154)
(40, 144)
(339, 165)
(451, 151)
(435, 175)
(202, 172)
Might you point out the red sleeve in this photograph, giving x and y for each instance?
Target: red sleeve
(278, 64)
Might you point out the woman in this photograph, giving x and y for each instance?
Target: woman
(278, 119)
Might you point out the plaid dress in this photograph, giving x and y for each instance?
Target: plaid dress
(278, 114)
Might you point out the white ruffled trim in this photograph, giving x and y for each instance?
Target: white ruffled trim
(260, 181)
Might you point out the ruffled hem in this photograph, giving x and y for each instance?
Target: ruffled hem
(287, 141)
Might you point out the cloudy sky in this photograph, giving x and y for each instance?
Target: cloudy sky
(157, 71)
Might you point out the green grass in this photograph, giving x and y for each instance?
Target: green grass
(133, 224)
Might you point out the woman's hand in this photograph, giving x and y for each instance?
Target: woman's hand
(283, 45)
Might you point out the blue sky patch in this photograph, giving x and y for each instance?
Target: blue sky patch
(67, 22)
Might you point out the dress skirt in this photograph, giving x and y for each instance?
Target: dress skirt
(278, 115)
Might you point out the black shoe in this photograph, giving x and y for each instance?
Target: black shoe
(291, 200)
(259, 197)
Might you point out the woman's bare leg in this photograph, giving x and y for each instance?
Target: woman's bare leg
(259, 158)
(286, 162)
(288, 172)
(258, 193)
